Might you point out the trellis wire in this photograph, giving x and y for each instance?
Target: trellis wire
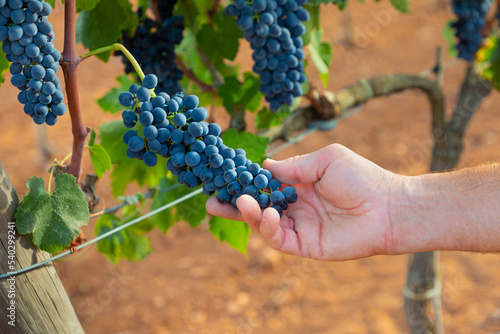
(107, 234)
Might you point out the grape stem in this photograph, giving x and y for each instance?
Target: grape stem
(130, 57)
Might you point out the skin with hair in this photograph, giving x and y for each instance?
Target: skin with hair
(350, 208)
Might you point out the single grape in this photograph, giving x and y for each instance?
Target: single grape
(150, 81)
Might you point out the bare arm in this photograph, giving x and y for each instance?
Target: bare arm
(350, 208)
(458, 210)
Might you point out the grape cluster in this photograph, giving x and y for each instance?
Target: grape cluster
(469, 25)
(27, 39)
(153, 46)
(274, 30)
(175, 128)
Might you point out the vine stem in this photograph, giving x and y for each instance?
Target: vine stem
(69, 64)
(117, 47)
(130, 57)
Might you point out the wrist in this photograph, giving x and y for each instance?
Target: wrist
(419, 215)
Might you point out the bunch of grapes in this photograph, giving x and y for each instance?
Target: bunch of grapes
(153, 47)
(469, 25)
(27, 39)
(274, 30)
(175, 128)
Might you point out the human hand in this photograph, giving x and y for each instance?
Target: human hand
(343, 211)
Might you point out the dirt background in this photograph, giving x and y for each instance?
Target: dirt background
(192, 283)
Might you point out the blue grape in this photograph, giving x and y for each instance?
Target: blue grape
(192, 158)
(126, 99)
(245, 178)
(146, 118)
(150, 159)
(150, 81)
(150, 132)
(263, 200)
(290, 194)
(260, 181)
(143, 94)
(192, 102)
(469, 25)
(136, 143)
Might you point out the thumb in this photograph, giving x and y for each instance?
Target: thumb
(304, 168)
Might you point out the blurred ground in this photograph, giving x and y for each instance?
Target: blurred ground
(194, 284)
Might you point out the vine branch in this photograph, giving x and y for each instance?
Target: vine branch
(192, 76)
(333, 105)
(69, 64)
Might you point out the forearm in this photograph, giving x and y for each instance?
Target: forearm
(458, 210)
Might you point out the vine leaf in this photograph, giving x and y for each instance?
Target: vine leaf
(489, 60)
(247, 95)
(99, 157)
(127, 244)
(54, 219)
(166, 218)
(235, 233)
(109, 102)
(266, 119)
(254, 145)
(449, 36)
(83, 4)
(321, 52)
(103, 25)
(192, 210)
(321, 55)
(4, 65)
(402, 5)
(220, 39)
(125, 170)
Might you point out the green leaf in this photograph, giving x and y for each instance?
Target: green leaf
(54, 218)
(266, 119)
(166, 218)
(100, 159)
(220, 38)
(402, 5)
(233, 232)
(321, 55)
(4, 65)
(109, 102)
(245, 94)
(188, 52)
(254, 145)
(83, 4)
(125, 170)
(92, 138)
(195, 12)
(86, 4)
(449, 36)
(192, 210)
(103, 25)
(489, 60)
(128, 244)
(52, 3)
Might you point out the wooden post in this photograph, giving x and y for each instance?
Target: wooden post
(40, 300)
